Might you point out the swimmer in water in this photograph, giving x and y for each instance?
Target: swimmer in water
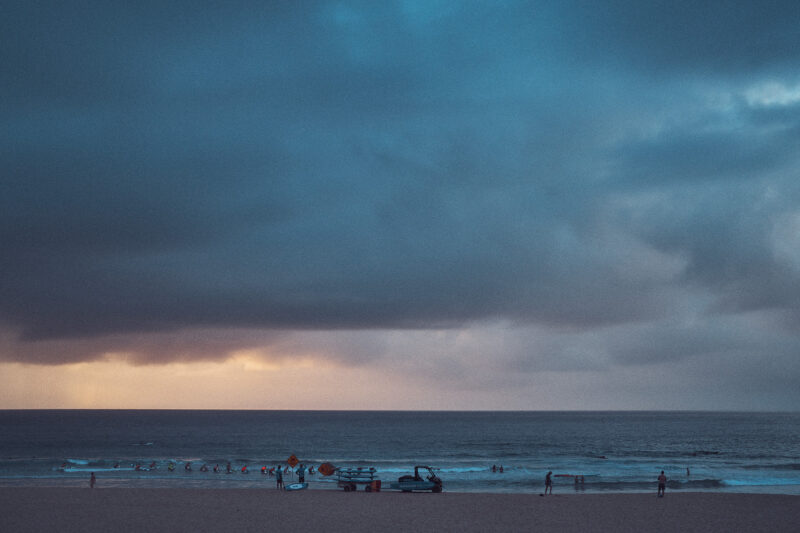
(204, 468)
(216, 469)
(244, 470)
(171, 466)
(228, 468)
(188, 466)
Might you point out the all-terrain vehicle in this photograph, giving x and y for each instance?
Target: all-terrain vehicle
(410, 483)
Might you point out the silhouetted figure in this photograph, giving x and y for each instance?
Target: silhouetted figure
(662, 484)
(548, 483)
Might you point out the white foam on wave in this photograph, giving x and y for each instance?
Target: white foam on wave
(759, 482)
(98, 469)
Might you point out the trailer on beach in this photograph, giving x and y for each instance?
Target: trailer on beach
(350, 478)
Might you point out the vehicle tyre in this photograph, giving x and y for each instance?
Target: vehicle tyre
(437, 488)
(367, 488)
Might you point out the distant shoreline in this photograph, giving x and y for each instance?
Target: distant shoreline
(263, 483)
(433, 411)
(28, 509)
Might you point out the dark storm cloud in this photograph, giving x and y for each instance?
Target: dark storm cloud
(388, 165)
(720, 36)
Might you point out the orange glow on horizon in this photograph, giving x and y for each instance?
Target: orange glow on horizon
(245, 381)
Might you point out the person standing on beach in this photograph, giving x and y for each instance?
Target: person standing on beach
(662, 484)
(92, 481)
(548, 482)
(279, 478)
(301, 473)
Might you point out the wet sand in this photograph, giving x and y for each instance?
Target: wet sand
(198, 510)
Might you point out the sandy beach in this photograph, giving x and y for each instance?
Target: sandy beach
(197, 510)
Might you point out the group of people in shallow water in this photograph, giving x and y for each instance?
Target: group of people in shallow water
(278, 472)
(267, 471)
(548, 482)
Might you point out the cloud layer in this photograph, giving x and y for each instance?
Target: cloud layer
(622, 173)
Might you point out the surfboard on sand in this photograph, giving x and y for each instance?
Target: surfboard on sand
(296, 486)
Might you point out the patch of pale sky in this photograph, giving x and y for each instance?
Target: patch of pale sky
(773, 94)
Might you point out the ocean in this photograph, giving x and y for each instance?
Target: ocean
(613, 451)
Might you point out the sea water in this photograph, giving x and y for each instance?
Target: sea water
(612, 451)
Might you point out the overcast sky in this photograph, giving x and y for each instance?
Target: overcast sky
(500, 205)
